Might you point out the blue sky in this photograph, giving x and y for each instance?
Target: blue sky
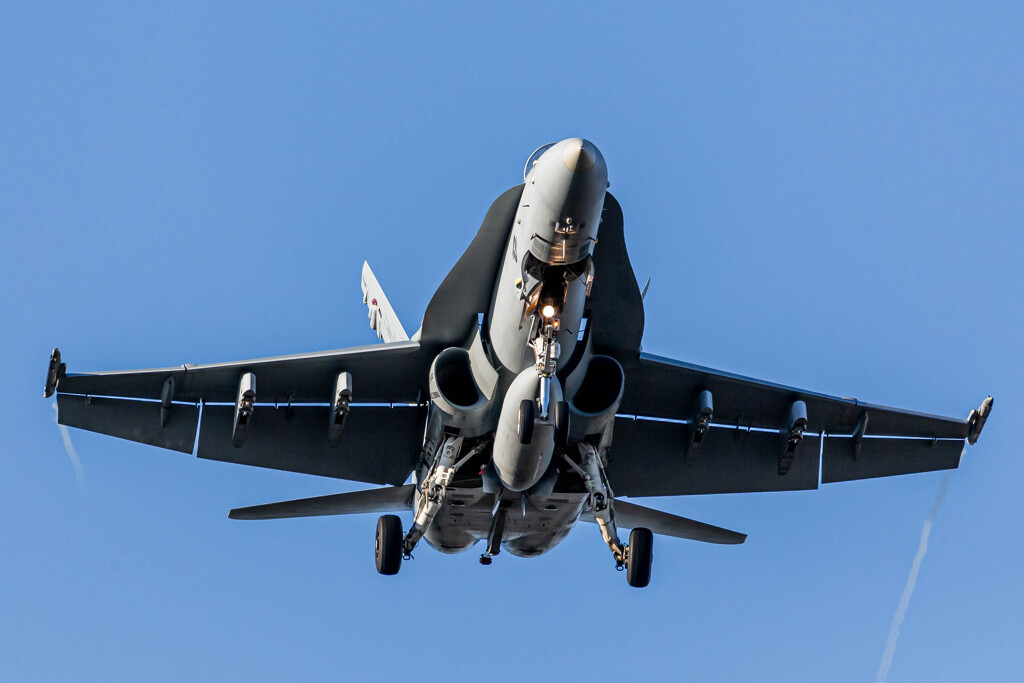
(826, 196)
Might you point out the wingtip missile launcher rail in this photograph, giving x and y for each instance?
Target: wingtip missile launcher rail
(54, 373)
(977, 419)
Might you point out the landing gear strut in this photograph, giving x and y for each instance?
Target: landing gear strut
(433, 489)
(546, 350)
(634, 558)
(432, 492)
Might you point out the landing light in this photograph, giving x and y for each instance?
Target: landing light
(548, 311)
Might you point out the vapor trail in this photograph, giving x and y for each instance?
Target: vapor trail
(70, 448)
(908, 590)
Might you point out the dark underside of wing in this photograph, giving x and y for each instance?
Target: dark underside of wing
(657, 449)
(378, 443)
(653, 451)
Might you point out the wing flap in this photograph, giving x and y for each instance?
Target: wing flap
(133, 420)
(887, 458)
(378, 444)
(648, 458)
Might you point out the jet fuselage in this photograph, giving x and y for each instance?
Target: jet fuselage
(530, 334)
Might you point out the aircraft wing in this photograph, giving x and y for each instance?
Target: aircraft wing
(379, 442)
(845, 439)
(166, 407)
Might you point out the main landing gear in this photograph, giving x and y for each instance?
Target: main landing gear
(388, 544)
(636, 558)
(391, 546)
(639, 554)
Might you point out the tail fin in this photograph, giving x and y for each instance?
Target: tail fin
(382, 316)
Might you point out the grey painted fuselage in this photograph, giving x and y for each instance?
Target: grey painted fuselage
(543, 282)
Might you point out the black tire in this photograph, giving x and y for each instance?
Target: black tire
(641, 547)
(561, 424)
(527, 416)
(388, 544)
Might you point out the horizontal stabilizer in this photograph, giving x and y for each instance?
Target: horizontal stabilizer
(388, 499)
(632, 516)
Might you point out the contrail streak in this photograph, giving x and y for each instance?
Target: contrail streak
(908, 590)
(70, 448)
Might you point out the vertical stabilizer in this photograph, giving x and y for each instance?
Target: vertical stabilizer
(382, 317)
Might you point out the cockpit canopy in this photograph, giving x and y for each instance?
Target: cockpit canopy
(533, 159)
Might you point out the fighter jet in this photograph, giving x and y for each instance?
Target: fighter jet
(523, 404)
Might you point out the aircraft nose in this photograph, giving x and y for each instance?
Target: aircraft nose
(579, 155)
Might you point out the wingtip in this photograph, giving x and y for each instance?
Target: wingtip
(977, 419)
(246, 514)
(54, 373)
(733, 538)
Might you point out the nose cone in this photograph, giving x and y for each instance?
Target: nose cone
(565, 192)
(578, 155)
